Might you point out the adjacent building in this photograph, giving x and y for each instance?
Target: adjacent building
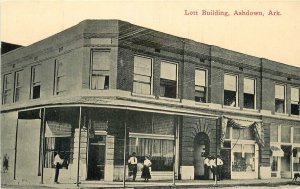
(103, 89)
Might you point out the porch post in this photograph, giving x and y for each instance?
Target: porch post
(43, 143)
(124, 154)
(78, 162)
(16, 145)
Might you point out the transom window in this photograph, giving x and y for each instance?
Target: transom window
(100, 70)
(60, 77)
(230, 90)
(142, 75)
(279, 98)
(7, 88)
(249, 93)
(168, 79)
(200, 85)
(35, 81)
(18, 85)
(295, 101)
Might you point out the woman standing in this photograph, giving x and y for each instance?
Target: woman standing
(146, 169)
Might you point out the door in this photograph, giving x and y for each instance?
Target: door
(96, 158)
(201, 148)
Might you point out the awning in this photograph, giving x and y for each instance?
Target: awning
(58, 129)
(276, 151)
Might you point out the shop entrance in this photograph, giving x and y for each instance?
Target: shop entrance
(96, 158)
(201, 147)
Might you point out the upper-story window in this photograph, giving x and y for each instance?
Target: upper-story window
(7, 88)
(60, 77)
(279, 98)
(142, 80)
(200, 85)
(295, 99)
(168, 79)
(230, 90)
(18, 85)
(249, 93)
(100, 70)
(35, 81)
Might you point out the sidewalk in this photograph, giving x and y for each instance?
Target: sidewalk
(163, 184)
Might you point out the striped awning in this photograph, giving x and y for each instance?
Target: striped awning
(58, 129)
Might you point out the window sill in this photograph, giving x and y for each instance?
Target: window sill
(142, 95)
(169, 99)
(281, 114)
(202, 104)
(230, 107)
(250, 110)
(296, 116)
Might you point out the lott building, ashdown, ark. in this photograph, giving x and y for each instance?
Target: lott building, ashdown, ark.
(102, 89)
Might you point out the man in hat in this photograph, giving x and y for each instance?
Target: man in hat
(133, 165)
(206, 166)
(219, 167)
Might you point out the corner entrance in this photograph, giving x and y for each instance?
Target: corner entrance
(96, 158)
(201, 147)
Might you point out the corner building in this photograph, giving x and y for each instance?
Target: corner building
(103, 89)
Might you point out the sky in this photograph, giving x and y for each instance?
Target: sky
(273, 36)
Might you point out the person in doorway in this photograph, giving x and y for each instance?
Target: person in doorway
(206, 166)
(132, 163)
(219, 167)
(58, 161)
(213, 166)
(146, 169)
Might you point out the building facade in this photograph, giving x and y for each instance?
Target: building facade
(103, 89)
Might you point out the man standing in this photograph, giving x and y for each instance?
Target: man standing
(58, 163)
(133, 165)
(219, 167)
(213, 166)
(206, 166)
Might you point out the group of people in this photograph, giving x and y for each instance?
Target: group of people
(146, 170)
(214, 164)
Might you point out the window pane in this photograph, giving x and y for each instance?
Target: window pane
(279, 106)
(274, 164)
(229, 98)
(230, 82)
(36, 74)
(249, 100)
(60, 85)
(295, 94)
(141, 88)
(161, 152)
(279, 91)
(100, 82)
(200, 77)
(286, 134)
(142, 78)
(295, 109)
(168, 71)
(101, 60)
(8, 83)
(249, 85)
(60, 68)
(168, 88)
(142, 66)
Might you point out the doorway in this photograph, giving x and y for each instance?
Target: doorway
(201, 147)
(96, 158)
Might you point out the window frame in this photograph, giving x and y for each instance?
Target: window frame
(5, 89)
(284, 100)
(17, 86)
(236, 92)
(33, 83)
(206, 83)
(297, 103)
(151, 77)
(57, 77)
(177, 77)
(255, 92)
(92, 51)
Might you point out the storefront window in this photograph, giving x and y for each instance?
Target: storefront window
(243, 158)
(161, 152)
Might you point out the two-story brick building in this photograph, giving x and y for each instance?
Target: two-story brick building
(117, 87)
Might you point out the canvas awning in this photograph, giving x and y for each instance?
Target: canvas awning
(276, 151)
(58, 129)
